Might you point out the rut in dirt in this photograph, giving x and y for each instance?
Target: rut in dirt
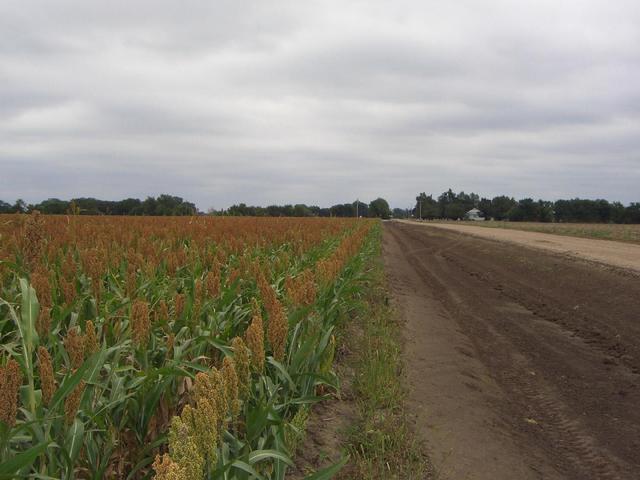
(560, 338)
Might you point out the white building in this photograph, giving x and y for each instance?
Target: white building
(474, 214)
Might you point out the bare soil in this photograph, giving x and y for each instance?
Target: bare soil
(618, 254)
(521, 363)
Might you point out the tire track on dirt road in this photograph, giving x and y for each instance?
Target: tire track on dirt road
(567, 377)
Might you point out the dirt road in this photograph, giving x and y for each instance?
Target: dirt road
(522, 364)
(618, 254)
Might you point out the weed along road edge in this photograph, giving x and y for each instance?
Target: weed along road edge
(521, 363)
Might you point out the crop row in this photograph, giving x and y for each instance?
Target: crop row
(183, 348)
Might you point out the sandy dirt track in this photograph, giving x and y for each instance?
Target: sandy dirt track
(521, 363)
(618, 254)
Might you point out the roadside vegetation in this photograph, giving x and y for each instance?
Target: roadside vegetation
(380, 442)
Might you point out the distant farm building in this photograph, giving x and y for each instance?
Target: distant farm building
(474, 214)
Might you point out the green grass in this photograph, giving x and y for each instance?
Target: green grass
(602, 231)
(380, 442)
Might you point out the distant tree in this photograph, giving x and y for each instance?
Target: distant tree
(617, 212)
(315, 210)
(632, 213)
(146, 207)
(125, 207)
(361, 208)
(379, 208)
(544, 211)
(444, 200)
(427, 207)
(5, 207)
(20, 206)
(484, 205)
(400, 213)
(455, 210)
(453, 205)
(528, 210)
(287, 210)
(500, 207)
(300, 210)
(52, 206)
(343, 210)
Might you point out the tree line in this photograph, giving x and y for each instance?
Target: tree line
(378, 208)
(453, 206)
(165, 205)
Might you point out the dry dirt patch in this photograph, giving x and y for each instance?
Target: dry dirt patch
(522, 363)
(618, 254)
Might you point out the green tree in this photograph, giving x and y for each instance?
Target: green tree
(379, 208)
(427, 207)
(500, 207)
(20, 206)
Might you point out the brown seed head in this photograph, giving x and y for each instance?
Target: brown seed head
(34, 239)
(302, 288)
(167, 469)
(267, 293)
(230, 379)
(255, 342)
(210, 387)
(255, 307)
(10, 382)
(278, 330)
(242, 365)
(233, 276)
(43, 324)
(212, 284)
(72, 402)
(178, 302)
(131, 282)
(74, 345)
(47, 380)
(198, 292)
(40, 282)
(140, 323)
(206, 424)
(68, 291)
(182, 444)
(91, 338)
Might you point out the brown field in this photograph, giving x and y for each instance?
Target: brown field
(521, 362)
(602, 231)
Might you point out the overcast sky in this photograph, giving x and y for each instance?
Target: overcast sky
(319, 102)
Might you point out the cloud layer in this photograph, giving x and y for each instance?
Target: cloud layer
(319, 102)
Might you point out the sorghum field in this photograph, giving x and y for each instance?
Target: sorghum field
(169, 348)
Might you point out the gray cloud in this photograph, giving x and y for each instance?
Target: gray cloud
(319, 102)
